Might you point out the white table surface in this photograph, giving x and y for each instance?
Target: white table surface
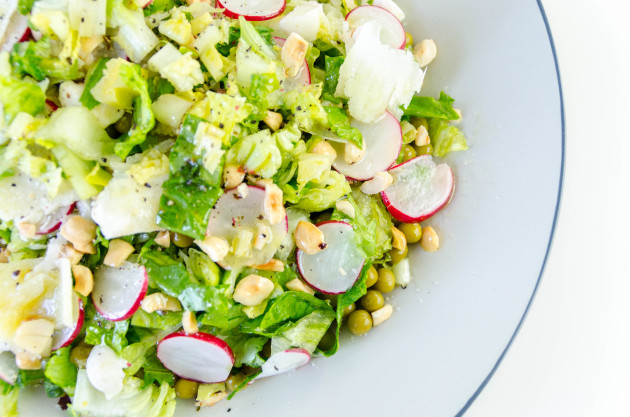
(572, 355)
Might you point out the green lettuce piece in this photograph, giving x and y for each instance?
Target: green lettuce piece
(154, 371)
(220, 319)
(133, 34)
(317, 196)
(60, 371)
(254, 56)
(201, 267)
(223, 111)
(77, 129)
(305, 333)
(283, 312)
(432, 108)
(78, 172)
(191, 191)
(20, 96)
(306, 107)
(52, 390)
(172, 278)
(445, 138)
(161, 321)
(30, 378)
(37, 59)
(8, 399)
(124, 86)
(331, 78)
(160, 6)
(339, 122)
(100, 330)
(246, 349)
(372, 224)
(93, 76)
(135, 400)
(25, 6)
(260, 93)
(257, 153)
(256, 40)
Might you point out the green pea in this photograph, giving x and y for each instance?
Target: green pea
(234, 381)
(408, 152)
(386, 280)
(181, 241)
(412, 231)
(359, 322)
(398, 255)
(372, 300)
(349, 310)
(372, 277)
(424, 150)
(185, 388)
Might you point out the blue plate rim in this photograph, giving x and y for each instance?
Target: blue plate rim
(553, 226)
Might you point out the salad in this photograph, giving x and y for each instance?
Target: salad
(195, 196)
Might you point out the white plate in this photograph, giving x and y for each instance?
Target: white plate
(453, 324)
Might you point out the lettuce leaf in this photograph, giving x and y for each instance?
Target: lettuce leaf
(304, 333)
(331, 78)
(191, 191)
(339, 122)
(172, 278)
(161, 321)
(8, 399)
(317, 196)
(445, 138)
(60, 371)
(100, 330)
(246, 349)
(430, 107)
(20, 96)
(39, 60)
(257, 153)
(372, 224)
(93, 76)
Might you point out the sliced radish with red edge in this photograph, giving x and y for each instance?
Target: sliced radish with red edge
(118, 292)
(199, 357)
(15, 28)
(253, 10)
(420, 188)
(64, 337)
(335, 269)
(284, 361)
(233, 211)
(302, 79)
(392, 31)
(54, 220)
(382, 141)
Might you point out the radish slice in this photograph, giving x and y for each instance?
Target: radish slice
(199, 357)
(233, 212)
(8, 368)
(335, 269)
(302, 79)
(53, 221)
(65, 336)
(392, 31)
(254, 10)
(13, 29)
(419, 189)
(284, 361)
(383, 142)
(105, 370)
(118, 292)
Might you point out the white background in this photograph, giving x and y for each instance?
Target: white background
(572, 355)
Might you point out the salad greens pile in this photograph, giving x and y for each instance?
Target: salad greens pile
(133, 115)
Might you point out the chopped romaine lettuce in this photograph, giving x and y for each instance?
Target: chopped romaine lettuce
(20, 96)
(430, 107)
(61, 371)
(445, 138)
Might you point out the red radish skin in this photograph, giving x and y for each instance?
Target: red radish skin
(56, 219)
(295, 357)
(407, 214)
(387, 20)
(302, 79)
(97, 297)
(64, 337)
(183, 354)
(27, 36)
(310, 281)
(236, 8)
